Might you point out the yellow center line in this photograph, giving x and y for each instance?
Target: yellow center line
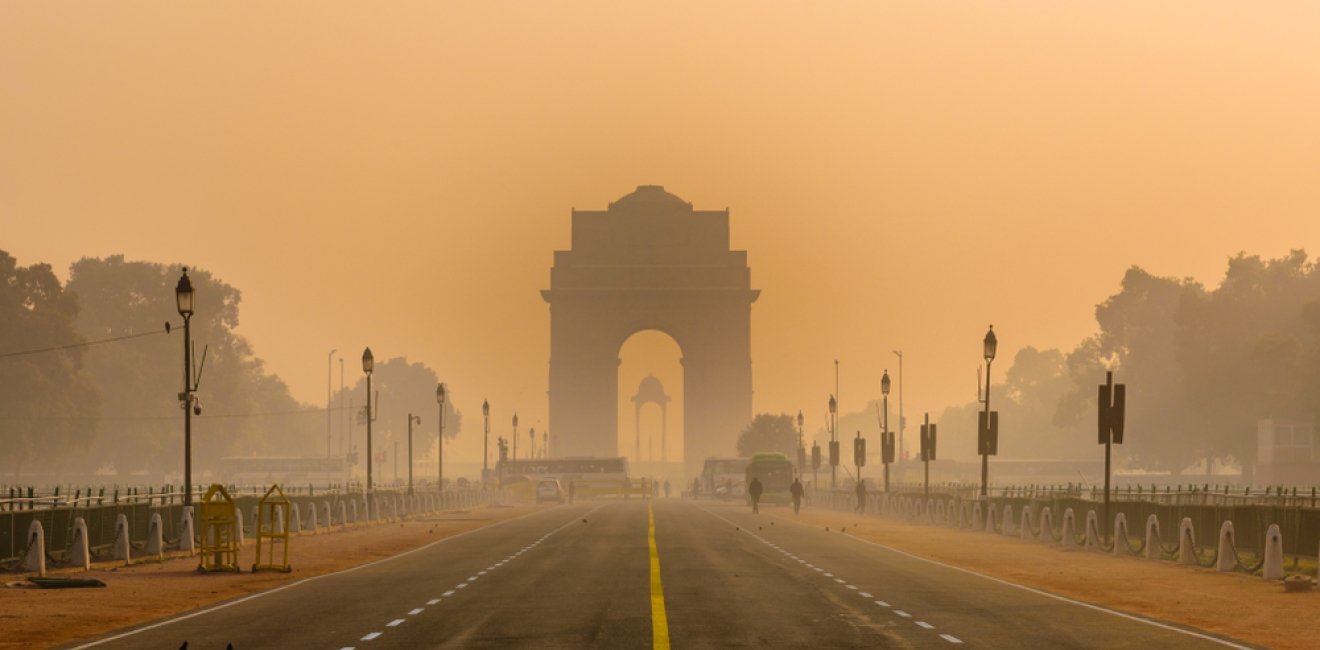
(659, 621)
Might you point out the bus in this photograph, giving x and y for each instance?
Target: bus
(775, 471)
(724, 478)
(590, 476)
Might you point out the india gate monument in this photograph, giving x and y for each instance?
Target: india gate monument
(649, 261)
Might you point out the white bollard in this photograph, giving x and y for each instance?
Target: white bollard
(977, 519)
(1186, 542)
(35, 558)
(1069, 529)
(80, 554)
(325, 514)
(1006, 522)
(1024, 529)
(343, 514)
(156, 538)
(1273, 569)
(1224, 557)
(354, 519)
(1121, 535)
(276, 520)
(295, 519)
(123, 550)
(1092, 531)
(187, 532)
(238, 527)
(1046, 525)
(1152, 538)
(312, 523)
(990, 517)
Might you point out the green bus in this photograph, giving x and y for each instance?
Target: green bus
(775, 471)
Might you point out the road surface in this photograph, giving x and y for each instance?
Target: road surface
(583, 575)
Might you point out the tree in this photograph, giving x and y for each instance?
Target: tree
(768, 432)
(49, 409)
(246, 411)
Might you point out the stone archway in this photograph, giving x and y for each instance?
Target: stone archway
(651, 391)
(650, 261)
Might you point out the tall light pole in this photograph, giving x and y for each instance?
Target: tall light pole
(369, 364)
(440, 443)
(342, 412)
(902, 422)
(485, 441)
(886, 438)
(329, 411)
(183, 297)
(834, 443)
(531, 443)
(411, 420)
(988, 433)
(515, 436)
(802, 447)
(545, 444)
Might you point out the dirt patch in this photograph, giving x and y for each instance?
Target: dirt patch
(39, 618)
(1236, 605)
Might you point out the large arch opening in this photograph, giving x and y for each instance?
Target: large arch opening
(650, 405)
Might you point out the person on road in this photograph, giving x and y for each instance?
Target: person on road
(666, 488)
(572, 487)
(861, 496)
(754, 491)
(696, 488)
(797, 492)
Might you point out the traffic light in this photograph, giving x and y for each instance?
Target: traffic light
(927, 442)
(859, 450)
(834, 453)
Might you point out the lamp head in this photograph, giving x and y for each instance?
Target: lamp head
(990, 343)
(440, 393)
(183, 295)
(884, 384)
(485, 408)
(834, 405)
(368, 361)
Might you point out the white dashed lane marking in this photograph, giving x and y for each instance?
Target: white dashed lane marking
(417, 611)
(394, 623)
(371, 636)
(433, 601)
(922, 624)
(447, 594)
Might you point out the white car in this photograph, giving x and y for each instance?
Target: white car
(549, 490)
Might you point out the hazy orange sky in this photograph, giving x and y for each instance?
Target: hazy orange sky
(901, 173)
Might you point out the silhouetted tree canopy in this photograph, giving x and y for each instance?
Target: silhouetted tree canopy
(48, 407)
(768, 432)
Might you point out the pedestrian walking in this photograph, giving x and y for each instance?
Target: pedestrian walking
(754, 491)
(666, 488)
(861, 496)
(797, 491)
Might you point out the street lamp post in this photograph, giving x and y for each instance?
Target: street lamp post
(902, 422)
(989, 425)
(411, 419)
(531, 443)
(440, 443)
(515, 436)
(369, 364)
(815, 464)
(183, 297)
(329, 411)
(485, 441)
(834, 443)
(802, 446)
(886, 437)
(545, 444)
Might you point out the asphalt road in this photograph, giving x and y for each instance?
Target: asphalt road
(580, 576)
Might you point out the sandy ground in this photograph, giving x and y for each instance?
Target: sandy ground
(39, 618)
(1243, 607)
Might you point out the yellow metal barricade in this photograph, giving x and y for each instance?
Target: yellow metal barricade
(217, 522)
(270, 532)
